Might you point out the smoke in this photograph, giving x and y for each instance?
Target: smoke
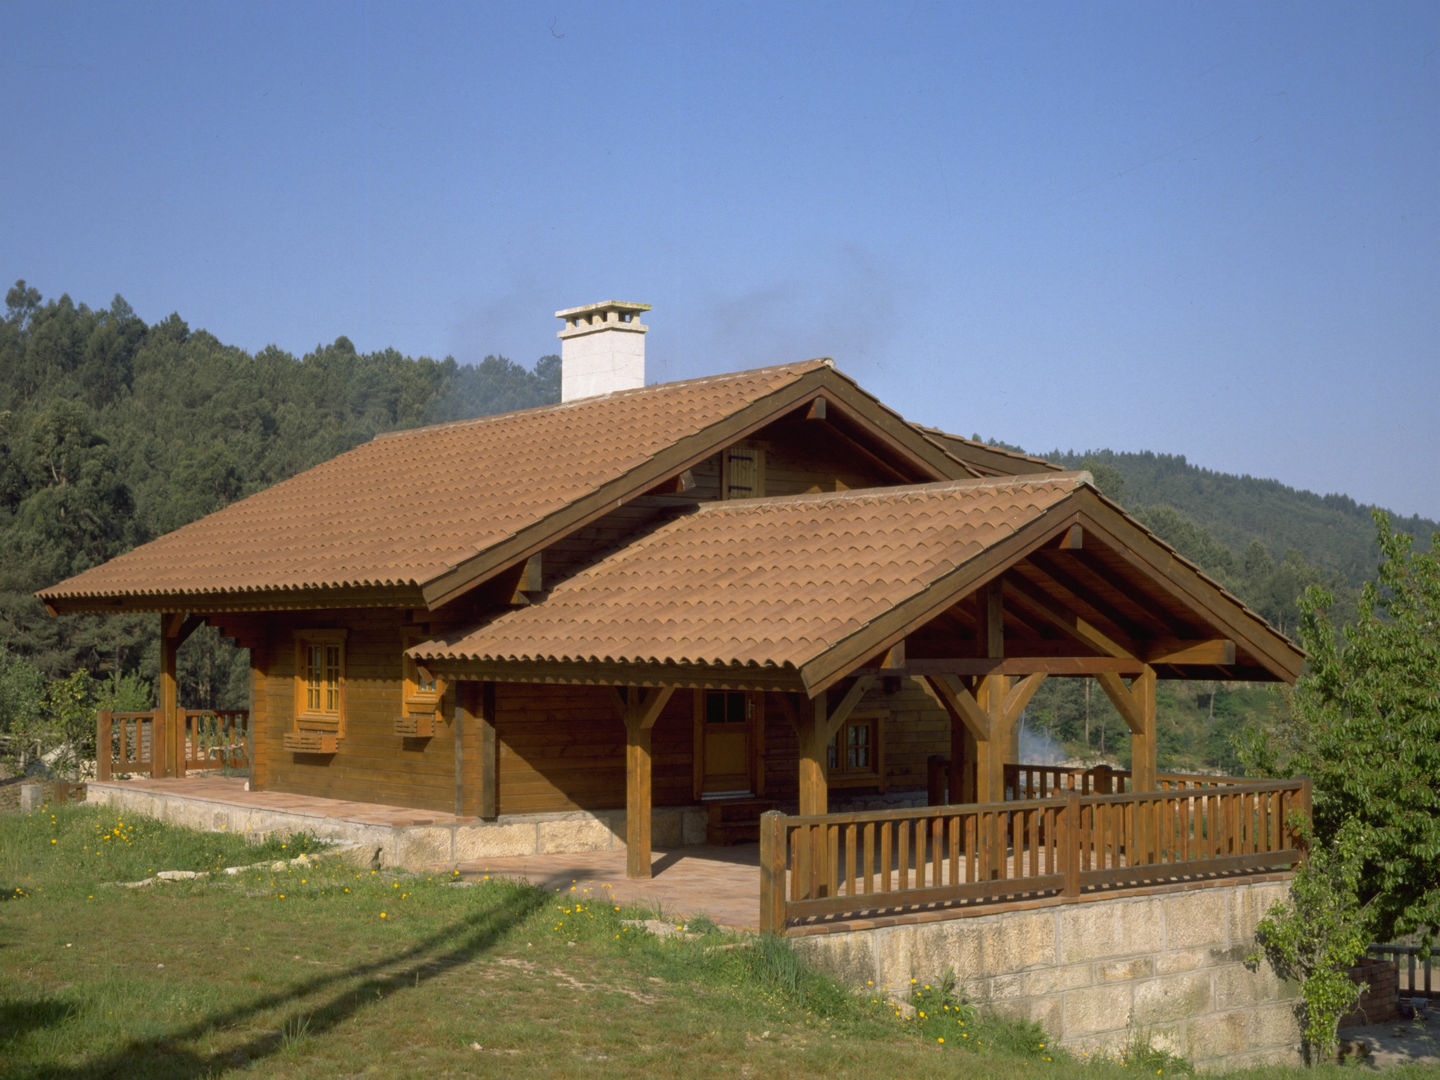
(846, 311)
(1038, 748)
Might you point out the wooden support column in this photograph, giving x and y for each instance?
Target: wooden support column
(814, 728)
(987, 715)
(1136, 705)
(167, 744)
(167, 700)
(489, 751)
(990, 693)
(639, 709)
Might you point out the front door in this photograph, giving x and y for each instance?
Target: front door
(725, 742)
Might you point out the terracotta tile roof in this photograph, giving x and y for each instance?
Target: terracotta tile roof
(768, 582)
(407, 507)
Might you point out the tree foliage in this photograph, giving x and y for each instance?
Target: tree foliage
(1321, 933)
(1365, 726)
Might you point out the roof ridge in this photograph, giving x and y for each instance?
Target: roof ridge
(800, 367)
(982, 444)
(1045, 479)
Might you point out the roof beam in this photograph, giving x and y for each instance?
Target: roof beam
(1217, 651)
(1078, 628)
(1272, 650)
(1064, 576)
(971, 667)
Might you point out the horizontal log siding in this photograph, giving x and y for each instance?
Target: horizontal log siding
(563, 748)
(372, 763)
(806, 456)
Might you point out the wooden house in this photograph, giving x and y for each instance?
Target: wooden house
(763, 584)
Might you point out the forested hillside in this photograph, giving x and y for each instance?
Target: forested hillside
(113, 432)
(1331, 532)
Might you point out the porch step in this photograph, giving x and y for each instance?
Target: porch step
(735, 820)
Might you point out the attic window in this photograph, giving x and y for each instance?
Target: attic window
(744, 472)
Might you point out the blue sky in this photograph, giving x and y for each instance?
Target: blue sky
(1205, 229)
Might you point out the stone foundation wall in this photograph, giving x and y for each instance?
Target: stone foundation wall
(420, 846)
(1168, 966)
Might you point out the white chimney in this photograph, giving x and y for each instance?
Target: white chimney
(602, 348)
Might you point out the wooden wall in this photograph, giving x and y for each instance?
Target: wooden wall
(558, 747)
(372, 763)
(563, 748)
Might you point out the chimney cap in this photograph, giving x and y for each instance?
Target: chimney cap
(603, 305)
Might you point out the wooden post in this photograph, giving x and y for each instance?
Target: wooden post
(257, 728)
(962, 761)
(1136, 705)
(772, 872)
(1069, 843)
(637, 800)
(160, 738)
(102, 745)
(813, 730)
(990, 768)
(639, 711)
(489, 754)
(936, 768)
(464, 696)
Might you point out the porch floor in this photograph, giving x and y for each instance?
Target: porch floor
(231, 791)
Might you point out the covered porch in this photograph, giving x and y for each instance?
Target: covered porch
(972, 592)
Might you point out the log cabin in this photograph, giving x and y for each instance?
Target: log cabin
(759, 588)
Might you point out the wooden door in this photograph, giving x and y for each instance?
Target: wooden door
(725, 742)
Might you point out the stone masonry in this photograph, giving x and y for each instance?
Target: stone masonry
(417, 846)
(1168, 966)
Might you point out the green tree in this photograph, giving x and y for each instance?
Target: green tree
(1364, 724)
(1320, 934)
(1367, 730)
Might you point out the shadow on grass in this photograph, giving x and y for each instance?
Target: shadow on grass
(22, 1016)
(167, 1058)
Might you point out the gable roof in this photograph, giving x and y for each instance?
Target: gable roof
(419, 517)
(793, 592)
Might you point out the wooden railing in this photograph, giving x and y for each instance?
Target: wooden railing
(1053, 781)
(124, 743)
(1415, 975)
(1064, 849)
(127, 742)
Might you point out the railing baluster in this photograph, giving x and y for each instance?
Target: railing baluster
(868, 833)
(886, 830)
(903, 827)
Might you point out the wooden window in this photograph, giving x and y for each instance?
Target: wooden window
(853, 756)
(423, 689)
(320, 680)
(744, 472)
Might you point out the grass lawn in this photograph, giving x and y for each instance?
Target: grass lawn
(314, 968)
